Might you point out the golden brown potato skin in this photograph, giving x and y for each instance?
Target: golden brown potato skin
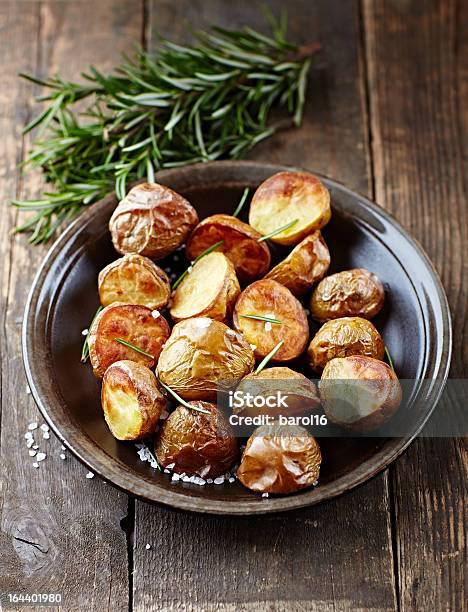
(202, 354)
(152, 220)
(375, 398)
(280, 459)
(307, 263)
(134, 279)
(197, 443)
(287, 196)
(302, 396)
(251, 258)
(352, 293)
(210, 290)
(129, 385)
(266, 298)
(342, 338)
(129, 322)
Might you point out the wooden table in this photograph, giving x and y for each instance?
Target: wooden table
(386, 114)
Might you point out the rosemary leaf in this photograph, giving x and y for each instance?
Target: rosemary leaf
(207, 252)
(389, 358)
(242, 202)
(182, 401)
(270, 355)
(278, 231)
(85, 349)
(134, 347)
(262, 318)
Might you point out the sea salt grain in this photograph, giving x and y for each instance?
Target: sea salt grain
(232, 479)
(32, 426)
(41, 456)
(30, 443)
(28, 390)
(44, 427)
(264, 494)
(267, 326)
(62, 456)
(89, 475)
(46, 435)
(219, 480)
(35, 465)
(35, 446)
(32, 453)
(253, 347)
(155, 314)
(148, 547)
(175, 477)
(63, 448)
(85, 332)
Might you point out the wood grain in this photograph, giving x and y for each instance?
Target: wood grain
(416, 54)
(59, 531)
(338, 555)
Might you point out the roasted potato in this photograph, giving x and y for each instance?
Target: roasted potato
(197, 443)
(134, 279)
(132, 323)
(306, 264)
(342, 338)
(251, 258)
(209, 290)
(202, 357)
(268, 298)
(280, 459)
(286, 197)
(359, 393)
(131, 400)
(152, 220)
(301, 393)
(352, 293)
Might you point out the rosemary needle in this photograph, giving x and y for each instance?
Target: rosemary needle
(278, 231)
(261, 318)
(207, 252)
(389, 358)
(134, 347)
(182, 401)
(270, 355)
(242, 202)
(85, 349)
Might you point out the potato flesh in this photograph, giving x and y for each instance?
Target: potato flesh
(210, 290)
(241, 245)
(286, 197)
(307, 263)
(358, 392)
(344, 337)
(129, 322)
(134, 279)
(280, 459)
(268, 298)
(131, 400)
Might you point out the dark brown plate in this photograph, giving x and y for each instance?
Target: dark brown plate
(415, 324)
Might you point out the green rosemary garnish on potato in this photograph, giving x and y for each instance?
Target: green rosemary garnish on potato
(278, 231)
(241, 202)
(85, 349)
(262, 318)
(270, 355)
(182, 401)
(134, 347)
(207, 252)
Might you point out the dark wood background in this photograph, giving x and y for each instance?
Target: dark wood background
(387, 115)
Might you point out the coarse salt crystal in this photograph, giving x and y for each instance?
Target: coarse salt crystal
(32, 426)
(175, 477)
(264, 494)
(28, 390)
(36, 465)
(85, 332)
(170, 466)
(253, 346)
(231, 332)
(28, 435)
(189, 269)
(40, 456)
(209, 480)
(63, 448)
(32, 453)
(267, 326)
(35, 447)
(148, 547)
(89, 475)
(44, 427)
(166, 471)
(46, 435)
(62, 456)
(219, 480)
(186, 479)
(155, 314)
(29, 443)
(232, 479)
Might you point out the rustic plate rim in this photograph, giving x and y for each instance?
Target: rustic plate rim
(386, 455)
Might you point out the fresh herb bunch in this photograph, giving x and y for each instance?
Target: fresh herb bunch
(184, 104)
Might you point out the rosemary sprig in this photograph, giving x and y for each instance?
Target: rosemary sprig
(134, 347)
(85, 349)
(389, 358)
(181, 105)
(270, 356)
(261, 318)
(207, 252)
(242, 202)
(278, 231)
(182, 401)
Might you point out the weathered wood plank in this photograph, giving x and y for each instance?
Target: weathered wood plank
(336, 556)
(416, 54)
(59, 531)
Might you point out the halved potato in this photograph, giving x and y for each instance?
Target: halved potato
(359, 393)
(146, 329)
(344, 337)
(280, 459)
(134, 279)
(209, 290)
(131, 400)
(299, 393)
(151, 220)
(251, 258)
(351, 293)
(197, 443)
(203, 357)
(268, 298)
(285, 197)
(307, 263)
